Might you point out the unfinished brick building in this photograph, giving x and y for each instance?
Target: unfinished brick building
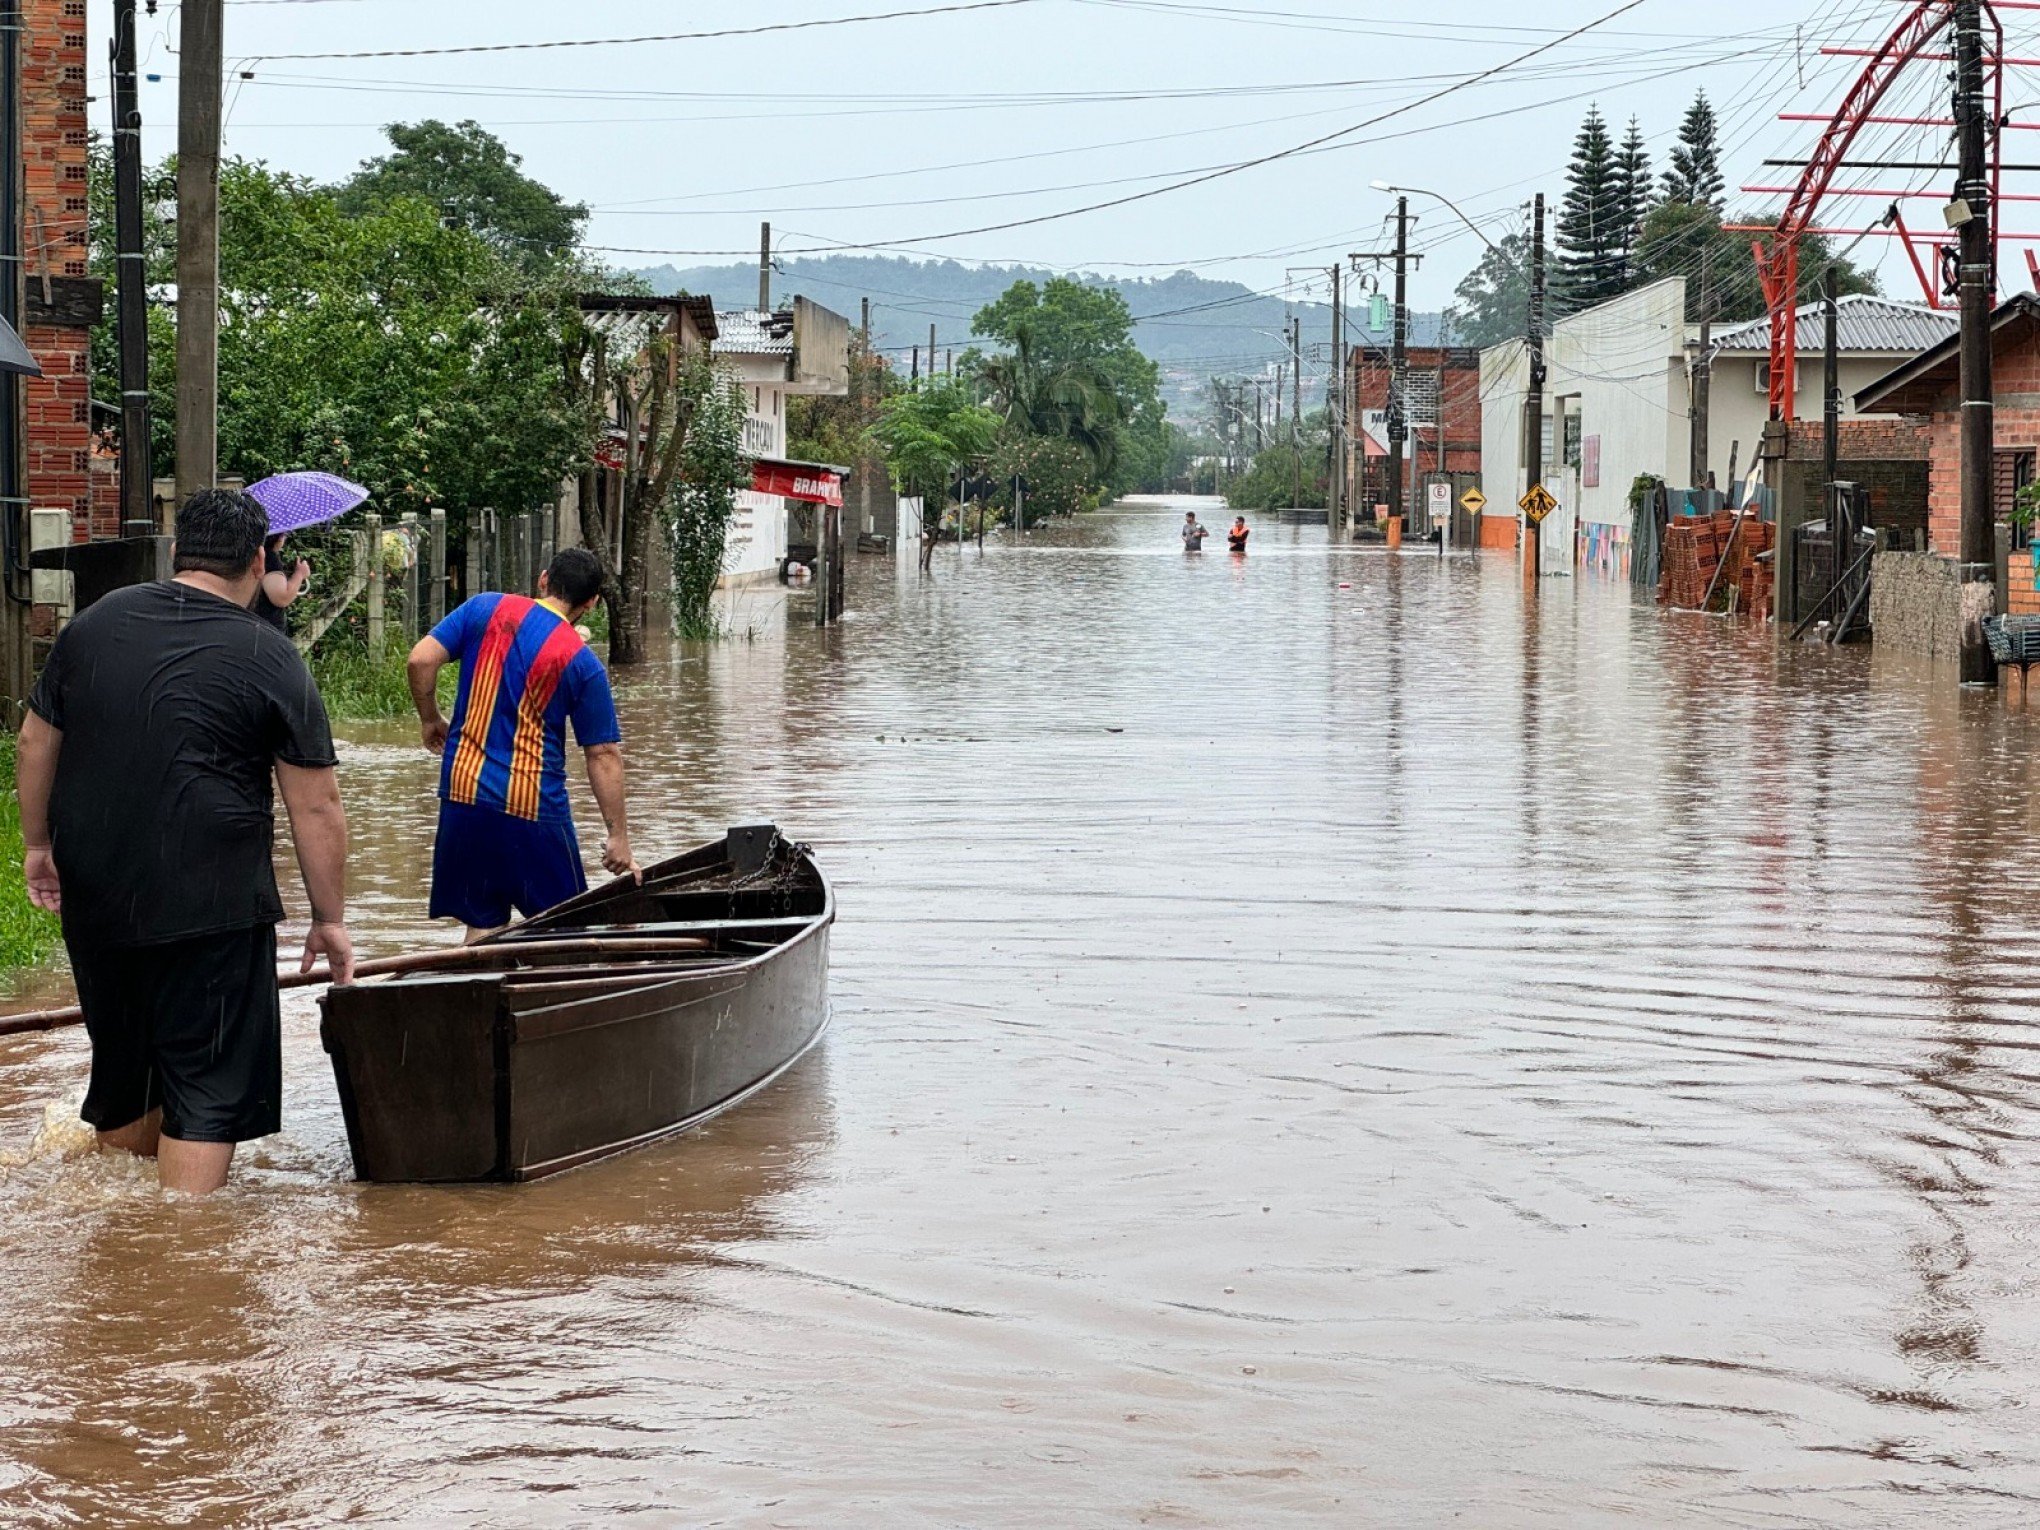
(60, 302)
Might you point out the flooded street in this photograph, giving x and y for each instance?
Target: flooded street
(1302, 1054)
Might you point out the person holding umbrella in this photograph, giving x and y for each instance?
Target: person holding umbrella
(294, 501)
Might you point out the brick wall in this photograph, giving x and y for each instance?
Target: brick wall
(58, 405)
(1459, 404)
(2022, 585)
(1895, 438)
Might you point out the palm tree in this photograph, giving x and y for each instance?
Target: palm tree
(1074, 402)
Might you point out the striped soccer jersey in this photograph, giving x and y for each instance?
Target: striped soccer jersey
(524, 672)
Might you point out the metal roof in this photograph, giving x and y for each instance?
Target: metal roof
(753, 332)
(1862, 323)
(1916, 386)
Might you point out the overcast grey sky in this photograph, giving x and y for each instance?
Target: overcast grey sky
(904, 133)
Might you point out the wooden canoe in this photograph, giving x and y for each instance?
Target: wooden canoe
(620, 1017)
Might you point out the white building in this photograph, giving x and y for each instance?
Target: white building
(803, 351)
(1618, 403)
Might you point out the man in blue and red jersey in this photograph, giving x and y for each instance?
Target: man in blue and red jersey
(506, 833)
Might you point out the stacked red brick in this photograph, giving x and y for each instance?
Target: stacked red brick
(1695, 547)
(60, 302)
(1692, 552)
(1749, 572)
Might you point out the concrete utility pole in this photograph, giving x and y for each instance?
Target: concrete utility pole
(1280, 368)
(1335, 408)
(1831, 409)
(136, 480)
(1399, 357)
(1703, 382)
(864, 418)
(1296, 410)
(1533, 414)
(200, 42)
(765, 268)
(1978, 553)
(1398, 378)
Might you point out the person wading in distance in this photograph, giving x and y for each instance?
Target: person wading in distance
(506, 832)
(1193, 533)
(144, 770)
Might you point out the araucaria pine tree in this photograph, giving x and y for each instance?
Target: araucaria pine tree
(1593, 239)
(1633, 194)
(1695, 175)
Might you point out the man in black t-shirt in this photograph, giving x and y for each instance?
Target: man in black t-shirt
(144, 771)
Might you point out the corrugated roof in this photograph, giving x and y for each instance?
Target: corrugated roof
(753, 332)
(1862, 323)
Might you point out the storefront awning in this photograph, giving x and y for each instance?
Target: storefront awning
(816, 482)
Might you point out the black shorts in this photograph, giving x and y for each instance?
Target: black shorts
(193, 1026)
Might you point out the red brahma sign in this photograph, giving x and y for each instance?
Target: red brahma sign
(793, 480)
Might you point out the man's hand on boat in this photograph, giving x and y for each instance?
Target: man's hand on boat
(330, 940)
(617, 859)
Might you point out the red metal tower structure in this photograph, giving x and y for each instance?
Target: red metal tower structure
(1778, 259)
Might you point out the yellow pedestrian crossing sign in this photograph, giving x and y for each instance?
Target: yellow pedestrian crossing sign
(1537, 504)
(1472, 500)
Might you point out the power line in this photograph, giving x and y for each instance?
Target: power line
(656, 37)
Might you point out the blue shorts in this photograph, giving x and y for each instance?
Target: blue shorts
(484, 863)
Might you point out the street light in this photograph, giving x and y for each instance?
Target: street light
(1421, 191)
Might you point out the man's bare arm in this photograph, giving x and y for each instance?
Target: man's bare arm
(422, 669)
(35, 773)
(318, 824)
(605, 776)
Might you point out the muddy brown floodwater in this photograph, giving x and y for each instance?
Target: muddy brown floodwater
(1314, 1044)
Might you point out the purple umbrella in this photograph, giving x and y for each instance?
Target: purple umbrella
(297, 500)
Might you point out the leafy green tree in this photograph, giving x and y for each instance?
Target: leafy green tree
(929, 435)
(1070, 371)
(703, 498)
(837, 428)
(1591, 264)
(1695, 173)
(387, 348)
(467, 175)
(1286, 473)
(1492, 301)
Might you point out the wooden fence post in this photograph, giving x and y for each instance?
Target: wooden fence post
(375, 583)
(435, 567)
(413, 608)
(473, 560)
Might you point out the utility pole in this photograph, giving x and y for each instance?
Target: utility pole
(1398, 423)
(1260, 416)
(1830, 410)
(136, 484)
(1978, 554)
(864, 419)
(1335, 409)
(765, 268)
(1533, 421)
(1703, 381)
(1296, 410)
(1280, 368)
(1399, 350)
(199, 45)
